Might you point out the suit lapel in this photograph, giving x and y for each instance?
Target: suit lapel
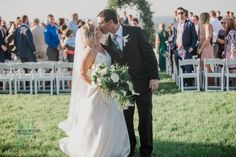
(185, 26)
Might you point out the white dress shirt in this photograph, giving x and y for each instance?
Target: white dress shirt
(216, 28)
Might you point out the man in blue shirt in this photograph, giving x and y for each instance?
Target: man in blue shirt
(73, 25)
(52, 39)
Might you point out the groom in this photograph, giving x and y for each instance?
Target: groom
(130, 46)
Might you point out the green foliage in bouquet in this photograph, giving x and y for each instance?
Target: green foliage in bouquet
(114, 81)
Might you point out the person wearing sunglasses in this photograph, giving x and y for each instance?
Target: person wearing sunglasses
(185, 41)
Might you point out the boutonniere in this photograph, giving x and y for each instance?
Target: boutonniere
(126, 39)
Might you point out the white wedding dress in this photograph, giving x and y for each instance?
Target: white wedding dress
(97, 127)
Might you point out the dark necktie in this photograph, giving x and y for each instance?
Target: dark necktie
(114, 39)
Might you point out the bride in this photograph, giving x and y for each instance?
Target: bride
(95, 126)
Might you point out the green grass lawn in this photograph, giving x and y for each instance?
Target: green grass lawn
(189, 124)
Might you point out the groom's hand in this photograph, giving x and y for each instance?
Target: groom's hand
(153, 84)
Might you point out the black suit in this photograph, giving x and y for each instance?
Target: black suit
(2, 42)
(138, 54)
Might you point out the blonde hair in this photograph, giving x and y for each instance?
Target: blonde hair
(204, 19)
(88, 34)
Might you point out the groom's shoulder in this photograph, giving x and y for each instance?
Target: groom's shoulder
(132, 29)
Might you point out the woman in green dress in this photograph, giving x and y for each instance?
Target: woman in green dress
(161, 47)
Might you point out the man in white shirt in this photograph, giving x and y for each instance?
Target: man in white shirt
(216, 28)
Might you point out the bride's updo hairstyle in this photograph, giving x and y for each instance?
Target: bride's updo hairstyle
(88, 34)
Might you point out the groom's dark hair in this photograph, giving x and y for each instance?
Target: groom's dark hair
(109, 14)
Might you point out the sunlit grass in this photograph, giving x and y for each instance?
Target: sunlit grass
(189, 124)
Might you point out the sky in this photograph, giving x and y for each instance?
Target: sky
(9, 9)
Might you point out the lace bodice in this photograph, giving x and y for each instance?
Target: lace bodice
(103, 58)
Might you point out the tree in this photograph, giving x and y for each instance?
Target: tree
(145, 13)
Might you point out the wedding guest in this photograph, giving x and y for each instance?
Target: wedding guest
(61, 22)
(69, 45)
(52, 39)
(219, 17)
(185, 40)
(231, 15)
(221, 39)
(190, 15)
(205, 47)
(126, 19)
(38, 38)
(216, 25)
(23, 39)
(81, 23)
(195, 20)
(73, 24)
(11, 49)
(130, 18)
(228, 14)
(161, 39)
(170, 45)
(134, 22)
(3, 48)
(230, 45)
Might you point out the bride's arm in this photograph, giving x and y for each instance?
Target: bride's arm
(86, 63)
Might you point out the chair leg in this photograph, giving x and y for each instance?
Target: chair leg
(227, 83)
(10, 90)
(35, 87)
(24, 85)
(222, 83)
(198, 83)
(15, 86)
(182, 83)
(51, 87)
(206, 83)
(31, 87)
(3, 85)
(57, 84)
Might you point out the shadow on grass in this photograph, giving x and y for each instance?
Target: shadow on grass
(161, 149)
(181, 149)
(166, 85)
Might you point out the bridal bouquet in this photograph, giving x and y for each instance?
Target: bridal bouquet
(114, 81)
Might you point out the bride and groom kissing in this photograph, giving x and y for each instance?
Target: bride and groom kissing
(95, 126)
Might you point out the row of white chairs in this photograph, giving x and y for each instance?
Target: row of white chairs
(219, 72)
(56, 73)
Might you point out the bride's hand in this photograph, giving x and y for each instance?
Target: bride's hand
(153, 84)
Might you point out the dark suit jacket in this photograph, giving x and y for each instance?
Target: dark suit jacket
(138, 55)
(2, 42)
(24, 42)
(189, 38)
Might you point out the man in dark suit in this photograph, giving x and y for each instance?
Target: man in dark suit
(129, 46)
(185, 40)
(23, 39)
(3, 48)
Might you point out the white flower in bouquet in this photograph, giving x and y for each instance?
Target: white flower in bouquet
(115, 77)
(103, 72)
(99, 81)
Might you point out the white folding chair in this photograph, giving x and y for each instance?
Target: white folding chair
(44, 72)
(194, 74)
(229, 75)
(5, 76)
(217, 67)
(22, 73)
(63, 71)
